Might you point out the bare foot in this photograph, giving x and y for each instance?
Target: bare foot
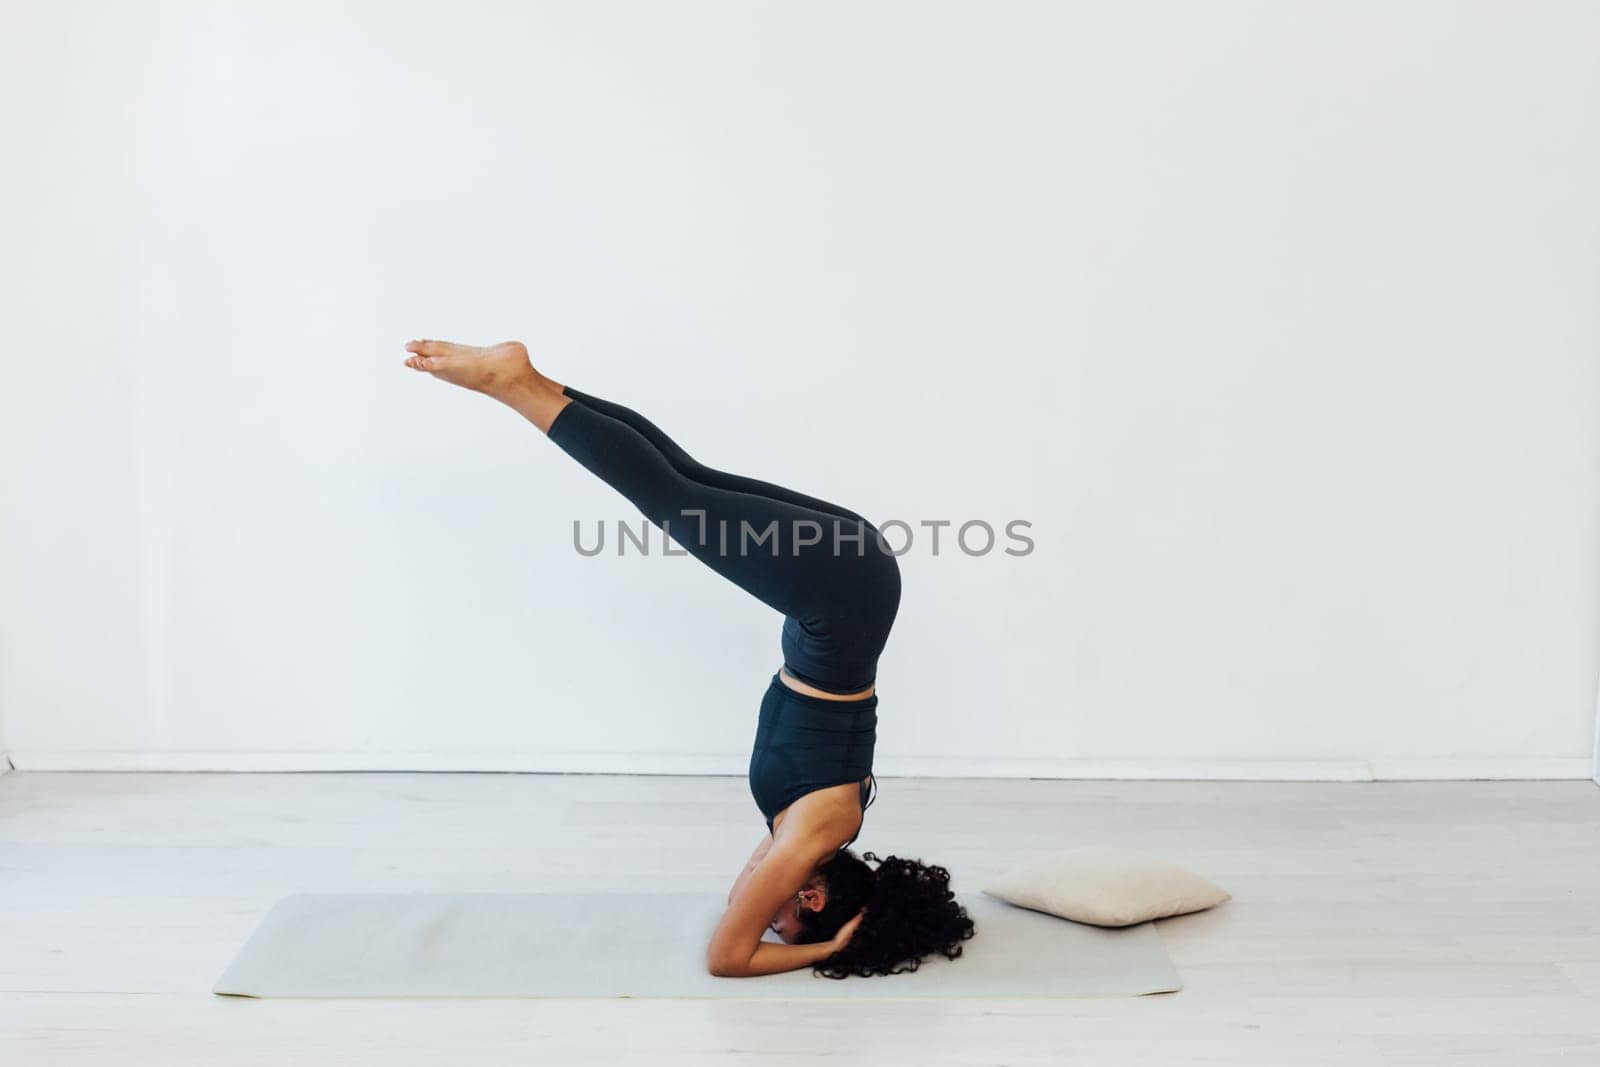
(501, 371)
(496, 370)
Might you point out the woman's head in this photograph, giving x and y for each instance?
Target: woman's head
(836, 891)
(911, 913)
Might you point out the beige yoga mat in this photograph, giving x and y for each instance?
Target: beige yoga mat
(644, 945)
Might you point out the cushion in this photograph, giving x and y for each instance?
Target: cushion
(1105, 887)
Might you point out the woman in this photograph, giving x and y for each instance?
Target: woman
(826, 571)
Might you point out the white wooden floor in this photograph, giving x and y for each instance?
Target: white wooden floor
(1392, 923)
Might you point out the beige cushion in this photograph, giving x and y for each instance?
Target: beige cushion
(1105, 886)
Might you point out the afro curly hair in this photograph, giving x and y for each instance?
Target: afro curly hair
(910, 914)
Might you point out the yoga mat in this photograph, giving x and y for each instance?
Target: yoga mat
(644, 945)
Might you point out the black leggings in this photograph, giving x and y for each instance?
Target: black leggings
(819, 565)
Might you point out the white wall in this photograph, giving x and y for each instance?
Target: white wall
(1278, 322)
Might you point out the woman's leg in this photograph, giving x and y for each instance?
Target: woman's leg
(838, 586)
(793, 558)
(823, 569)
(694, 469)
(504, 372)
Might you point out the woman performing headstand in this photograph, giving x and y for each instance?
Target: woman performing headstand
(825, 570)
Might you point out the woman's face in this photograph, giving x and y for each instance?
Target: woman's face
(786, 921)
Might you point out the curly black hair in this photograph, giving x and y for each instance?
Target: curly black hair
(911, 913)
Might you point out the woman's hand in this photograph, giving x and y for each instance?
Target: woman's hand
(846, 932)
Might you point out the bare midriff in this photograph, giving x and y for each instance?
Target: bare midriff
(812, 691)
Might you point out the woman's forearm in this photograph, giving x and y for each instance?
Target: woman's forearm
(744, 876)
(771, 958)
(762, 849)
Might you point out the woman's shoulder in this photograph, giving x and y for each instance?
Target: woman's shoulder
(821, 821)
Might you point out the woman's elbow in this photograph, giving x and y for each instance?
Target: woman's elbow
(722, 966)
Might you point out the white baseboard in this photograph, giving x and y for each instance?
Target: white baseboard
(1435, 770)
(1594, 767)
(724, 763)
